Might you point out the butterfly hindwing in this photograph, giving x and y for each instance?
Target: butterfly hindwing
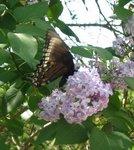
(56, 60)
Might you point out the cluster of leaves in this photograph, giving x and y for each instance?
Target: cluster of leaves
(22, 30)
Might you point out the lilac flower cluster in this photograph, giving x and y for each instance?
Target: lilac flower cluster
(120, 70)
(120, 46)
(85, 94)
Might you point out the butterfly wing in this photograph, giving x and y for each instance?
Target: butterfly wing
(56, 61)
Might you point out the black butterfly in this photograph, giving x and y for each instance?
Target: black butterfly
(56, 61)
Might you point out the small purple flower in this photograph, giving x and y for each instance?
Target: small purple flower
(120, 70)
(120, 46)
(50, 106)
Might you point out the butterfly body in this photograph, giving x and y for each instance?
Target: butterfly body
(56, 61)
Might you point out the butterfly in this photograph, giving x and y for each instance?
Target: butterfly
(56, 61)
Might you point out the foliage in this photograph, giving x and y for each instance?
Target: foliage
(22, 30)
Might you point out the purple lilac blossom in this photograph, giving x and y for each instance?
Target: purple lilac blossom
(121, 70)
(120, 46)
(85, 94)
(51, 106)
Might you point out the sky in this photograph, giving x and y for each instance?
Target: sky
(91, 35)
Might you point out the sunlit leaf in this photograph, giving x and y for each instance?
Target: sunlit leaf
(65, 29)
(101, 52)
(30, 12)
(30, 29)
(25, 46)
(82, 51)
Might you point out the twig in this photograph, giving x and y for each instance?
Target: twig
(93, 25)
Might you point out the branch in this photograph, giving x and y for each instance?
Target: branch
(93, 25)
(87, 24)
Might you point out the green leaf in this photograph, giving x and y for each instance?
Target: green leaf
(99, 140)
(36, 121)
(120, 124)
(65, 29)
(54, 84)
(47, 133)
(120, 120)
(114, 102)
(25, 46)
(111, 50)
(3, 107)
(102, 53)
(4, 57)
(82, 51)
(130, 82)
(110, 141)
(119, 141)
(3, 38)
(33, 101)
(70, 133)
(14, 97)
(30, 12)
(41, 24)
(13, 2)
(11, 92)
(30, 29)
(3, 144)
(122, 13)
(123, 2)
(15, 126)
(7, 22)
(7, 75)
(15, 102)
(55, 9)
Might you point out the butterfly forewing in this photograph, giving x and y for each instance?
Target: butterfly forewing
(56, 60)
